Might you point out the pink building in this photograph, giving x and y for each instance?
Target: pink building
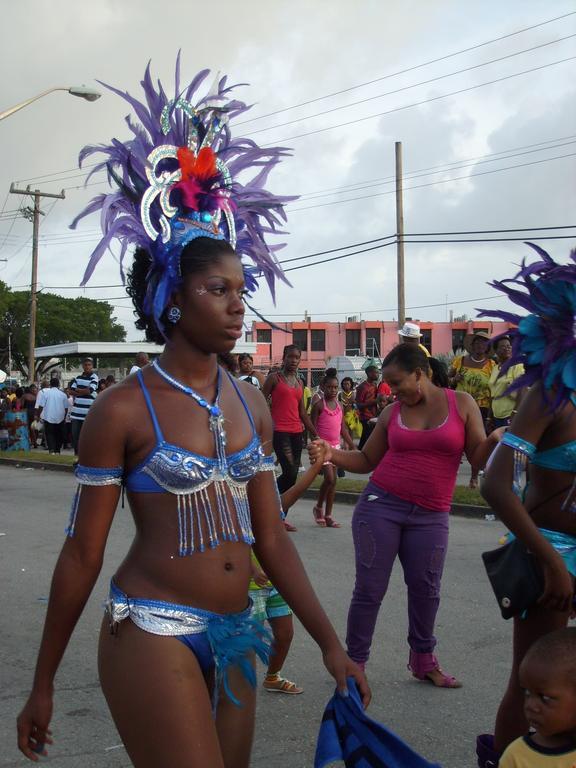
(320, 341)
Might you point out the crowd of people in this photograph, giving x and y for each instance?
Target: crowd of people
(212, 559)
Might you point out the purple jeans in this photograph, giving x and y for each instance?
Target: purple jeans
(384, 526)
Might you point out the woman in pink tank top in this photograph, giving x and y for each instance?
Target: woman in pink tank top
(328, 419)
(415, 451)
(285, 393)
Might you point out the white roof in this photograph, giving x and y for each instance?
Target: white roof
(121, 348)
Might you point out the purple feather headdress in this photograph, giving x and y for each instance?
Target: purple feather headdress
(176, 179)
(544, 341)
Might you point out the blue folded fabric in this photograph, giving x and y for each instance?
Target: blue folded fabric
(349, 735)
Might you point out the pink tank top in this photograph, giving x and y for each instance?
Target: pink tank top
(421, 465)
(329, 423)
(285, 407)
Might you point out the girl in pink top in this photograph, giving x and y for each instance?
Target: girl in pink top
(415, 450)
(327, 418)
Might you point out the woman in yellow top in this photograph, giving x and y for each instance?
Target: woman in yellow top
(471, 373)
(504, 406)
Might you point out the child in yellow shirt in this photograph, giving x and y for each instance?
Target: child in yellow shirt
(548, 675)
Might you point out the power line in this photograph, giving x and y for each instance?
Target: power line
(391, 309)
(414, 85)
(444, 166)
(415, 175)
(365, 242)
(434, 183)
(419, 103)
(478, 240)
(408, 69)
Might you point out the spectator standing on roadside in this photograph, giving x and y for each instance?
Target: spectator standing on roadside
(503, 405)
(286, 391)
(140, 361)
(367, 403)
(247, 372)
(52, 409)
(84, 389)
(471, 373)
(30, 395)
(410, 334)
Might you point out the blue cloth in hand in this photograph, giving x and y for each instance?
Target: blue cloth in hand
(349, 735)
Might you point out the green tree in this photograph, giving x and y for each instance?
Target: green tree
(58, 321)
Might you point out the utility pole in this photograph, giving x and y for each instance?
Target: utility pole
(400, 237)
(36, 213)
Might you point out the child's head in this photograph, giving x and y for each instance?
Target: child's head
(347, 384)
(548, 675)
(329, 384)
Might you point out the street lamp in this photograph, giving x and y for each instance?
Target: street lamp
(90, 94)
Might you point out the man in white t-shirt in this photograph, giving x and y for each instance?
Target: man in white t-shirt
(52, 406)
(140, 361)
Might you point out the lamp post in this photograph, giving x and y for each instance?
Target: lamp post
(76, 90)
(89, 94)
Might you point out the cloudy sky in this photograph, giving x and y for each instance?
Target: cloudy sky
(303, 58)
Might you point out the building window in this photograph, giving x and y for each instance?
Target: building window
(300, 338)
(426, 339)
(318, 340)
(458, 340)
(264, 335)
(353, 342)
(373, 342)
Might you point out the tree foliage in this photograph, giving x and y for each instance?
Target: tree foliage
(59, 320)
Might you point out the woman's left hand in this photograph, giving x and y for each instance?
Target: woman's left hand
(341, 667)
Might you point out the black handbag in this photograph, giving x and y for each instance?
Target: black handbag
(516, 577)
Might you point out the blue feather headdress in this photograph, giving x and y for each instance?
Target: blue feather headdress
(544, 341)
(176, 179)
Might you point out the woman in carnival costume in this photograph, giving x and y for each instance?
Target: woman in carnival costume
(190, 445)
(543, 434)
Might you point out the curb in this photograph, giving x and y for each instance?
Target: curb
(29, 464)
(342, 497)
(460, 510)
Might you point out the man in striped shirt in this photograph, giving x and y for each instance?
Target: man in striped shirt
(83, 389)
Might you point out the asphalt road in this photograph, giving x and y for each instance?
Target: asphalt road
(441, 724)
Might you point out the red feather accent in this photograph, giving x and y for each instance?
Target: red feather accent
(200, 167)
(205, 166)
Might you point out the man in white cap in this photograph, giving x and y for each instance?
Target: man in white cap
(410, 334)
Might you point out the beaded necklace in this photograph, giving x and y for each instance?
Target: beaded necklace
(215, 415)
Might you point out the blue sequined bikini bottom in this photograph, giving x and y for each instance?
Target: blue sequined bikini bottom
(219, 641)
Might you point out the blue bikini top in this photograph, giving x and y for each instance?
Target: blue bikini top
(561, 457)
(203, 520)
(169, 468)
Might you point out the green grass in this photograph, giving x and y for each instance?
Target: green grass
(462, 494)
(38, 456)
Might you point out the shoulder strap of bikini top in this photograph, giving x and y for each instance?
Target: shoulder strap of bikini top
(244, 403)
(151, 411)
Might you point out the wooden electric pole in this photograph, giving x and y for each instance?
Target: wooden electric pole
(36, 213)
(400, 237)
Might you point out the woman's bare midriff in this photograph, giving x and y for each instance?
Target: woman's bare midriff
(214, 580)
(545, 495)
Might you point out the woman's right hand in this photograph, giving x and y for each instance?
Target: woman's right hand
(319, 450)
(558, 586)
(32, 723)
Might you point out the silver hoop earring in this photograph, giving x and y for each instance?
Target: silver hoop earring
(174, 315)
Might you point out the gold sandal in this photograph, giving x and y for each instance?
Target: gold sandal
(277, 684)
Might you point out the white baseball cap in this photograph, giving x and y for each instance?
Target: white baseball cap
(410, 331)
